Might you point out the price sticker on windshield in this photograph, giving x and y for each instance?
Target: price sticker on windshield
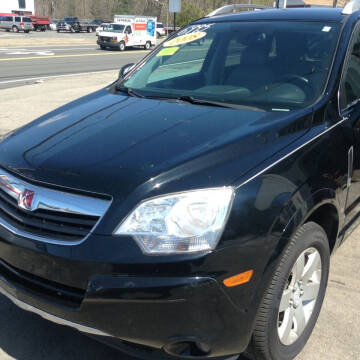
(168, 51)
(184, 39)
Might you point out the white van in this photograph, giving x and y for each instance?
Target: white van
(129, 31)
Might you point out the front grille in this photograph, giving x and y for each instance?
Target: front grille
(40, 287)
(48, 224)
(105, 38)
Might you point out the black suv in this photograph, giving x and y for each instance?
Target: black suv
(189, 210)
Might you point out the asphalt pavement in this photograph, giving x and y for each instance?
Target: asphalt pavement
(21, 65)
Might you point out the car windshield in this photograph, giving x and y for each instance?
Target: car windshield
(115, 28)
(271, 65)
(67, 19)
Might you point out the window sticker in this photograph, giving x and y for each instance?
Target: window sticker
(184, 39)
(195, 28)
(326, 28)
(168, 51)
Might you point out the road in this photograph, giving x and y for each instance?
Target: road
(23, 65)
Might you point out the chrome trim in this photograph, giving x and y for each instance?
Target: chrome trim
(50, 317)
(50, 200)
(228, 9)
(350, 166)
(291, 152)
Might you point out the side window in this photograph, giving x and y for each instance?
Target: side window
(17, 19)
(350, 87)
(233, 55)
(128, 30)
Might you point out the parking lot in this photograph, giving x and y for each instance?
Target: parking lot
(24, 336)
(26, 58)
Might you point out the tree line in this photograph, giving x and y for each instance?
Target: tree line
(106, 9)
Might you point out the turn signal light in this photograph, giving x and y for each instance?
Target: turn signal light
(239, 279)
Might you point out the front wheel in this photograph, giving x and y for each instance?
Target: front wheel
(148, 45)
(26, 31)
(15, 29)
(102, 47)
(122, 46)
(292, 302)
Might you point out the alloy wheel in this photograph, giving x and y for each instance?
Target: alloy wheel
(299, 296)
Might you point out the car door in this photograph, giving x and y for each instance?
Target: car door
(17, 22)
(350, 107)
(8, 22)
(129, 36)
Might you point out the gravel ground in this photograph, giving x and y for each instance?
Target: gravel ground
(24, 336)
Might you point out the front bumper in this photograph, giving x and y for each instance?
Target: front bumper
(108, 43)
(110, 292)
(151, 312)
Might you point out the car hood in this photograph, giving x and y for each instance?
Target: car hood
(111, 144)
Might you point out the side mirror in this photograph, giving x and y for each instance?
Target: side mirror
(125, 69)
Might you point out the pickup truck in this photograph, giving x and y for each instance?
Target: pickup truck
(74, 24)
(41, 23)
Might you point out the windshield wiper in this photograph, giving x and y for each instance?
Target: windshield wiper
(129, 91)
(195, 101)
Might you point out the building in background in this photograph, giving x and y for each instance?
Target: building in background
(23, 7)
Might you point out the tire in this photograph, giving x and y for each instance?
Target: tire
(15, 29)
(122, 46)
(58, 31)
(274, 336)
(102, 47)
(26, 31)
(158, 35)
(147, 45)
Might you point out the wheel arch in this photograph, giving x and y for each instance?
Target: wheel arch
(321, 207)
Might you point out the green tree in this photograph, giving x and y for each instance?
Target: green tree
(122, 7)
(189, 12)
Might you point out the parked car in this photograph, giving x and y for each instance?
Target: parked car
(15, 23)
(53, 25)
(101, 28)
(74, 24)
(160, 30)
(189, 209)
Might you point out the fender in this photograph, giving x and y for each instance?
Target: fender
(287, 223)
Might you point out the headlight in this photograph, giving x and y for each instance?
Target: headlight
(179, 223)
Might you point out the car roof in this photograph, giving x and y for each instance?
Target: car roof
(305, 14)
